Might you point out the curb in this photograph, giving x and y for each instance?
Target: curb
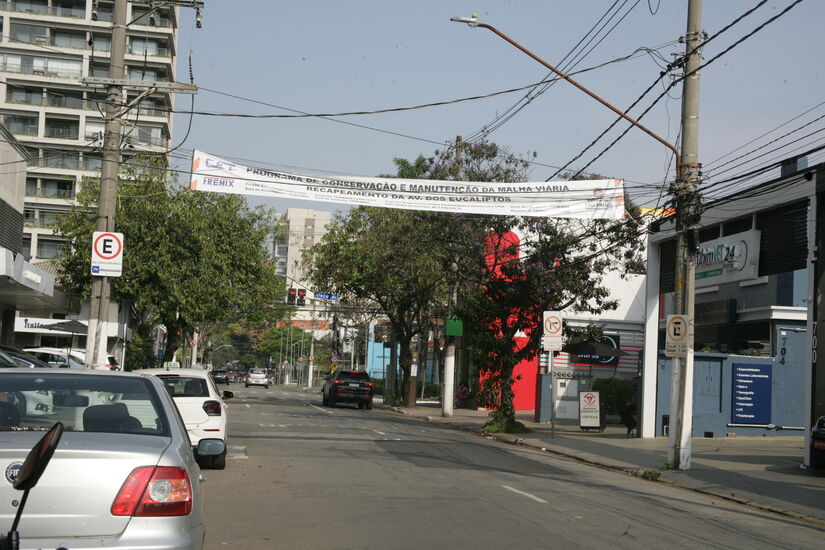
(635, 472)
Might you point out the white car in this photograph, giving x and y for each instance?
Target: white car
(59, 357)
(200, 404)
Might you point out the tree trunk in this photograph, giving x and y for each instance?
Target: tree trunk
(173, 337)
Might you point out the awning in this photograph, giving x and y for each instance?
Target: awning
(27, 287)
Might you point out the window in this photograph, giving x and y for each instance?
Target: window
(92, 161)
(49, 249)
(32, 6)
(29, 96)
(57, 189)
(30, 216)
(31, 187)
(69, 8)
(62, 128)
(61, 159)
(66, 39)
(145, 46)
(94, 131)
(32, 34)
(48, 217)
(22, 124)
(26, 247)
(102, 43)
(70, 100)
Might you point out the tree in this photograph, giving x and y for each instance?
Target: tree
(190, 258)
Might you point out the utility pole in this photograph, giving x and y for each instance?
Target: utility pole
(97, 334)
(448, 392)
(687, 214)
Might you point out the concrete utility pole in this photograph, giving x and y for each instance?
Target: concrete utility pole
(97, 335)
(687, 214)
(448, 392)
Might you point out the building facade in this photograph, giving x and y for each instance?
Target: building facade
(47, 48)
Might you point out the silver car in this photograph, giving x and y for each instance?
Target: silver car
(124, 474)
(257, 377)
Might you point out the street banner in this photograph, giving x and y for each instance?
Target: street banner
(587, 199)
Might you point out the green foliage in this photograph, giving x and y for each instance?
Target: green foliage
(504, 425)
(191, 258)
(285, 341)
(615, 393)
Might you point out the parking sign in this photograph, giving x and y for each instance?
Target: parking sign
(107, 254)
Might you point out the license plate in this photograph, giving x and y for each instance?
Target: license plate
(354, 385)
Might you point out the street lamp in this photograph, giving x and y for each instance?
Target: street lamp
(686, 215)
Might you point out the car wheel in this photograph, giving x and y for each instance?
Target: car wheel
(324, 400)
(368, 405)
(331, 400)
(219, 462)
(246, 385)
(360, 404)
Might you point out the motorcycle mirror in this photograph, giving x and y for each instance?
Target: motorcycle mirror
(38, 458)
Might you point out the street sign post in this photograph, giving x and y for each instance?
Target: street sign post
(551, 335)
(676, 334)
(107, 254)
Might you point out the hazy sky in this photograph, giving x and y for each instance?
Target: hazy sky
(341, 56)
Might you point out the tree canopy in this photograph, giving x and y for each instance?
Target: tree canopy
(190, 258)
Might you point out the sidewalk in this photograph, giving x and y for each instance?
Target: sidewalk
(764, 472)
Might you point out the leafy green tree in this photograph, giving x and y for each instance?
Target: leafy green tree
(190, 258)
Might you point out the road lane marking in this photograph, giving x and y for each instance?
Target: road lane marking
(236, 452)
(528, 495)
(247, 405)
(319, 408)
(376, 431)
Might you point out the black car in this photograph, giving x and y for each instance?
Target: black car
(347, 386)
(818, 444)
(14, 357)
(220, 376)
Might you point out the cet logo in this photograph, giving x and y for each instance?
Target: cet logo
(598, 193)
(220, 165)
(589, 399)
(12, 471)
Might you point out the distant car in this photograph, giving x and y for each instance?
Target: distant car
(124, 463)
(347, 386)
(257, 377)
(220, 376)
(200, 404)
(59, 357)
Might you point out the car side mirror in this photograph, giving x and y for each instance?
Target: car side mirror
(228, 394)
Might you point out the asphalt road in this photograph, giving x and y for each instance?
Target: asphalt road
(303, 476)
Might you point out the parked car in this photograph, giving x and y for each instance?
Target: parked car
(59, 357)
(818, 444)
(347, 386)
(201, 406)
(220, 376)
(257, 377)
(124, 463)
(21, 358)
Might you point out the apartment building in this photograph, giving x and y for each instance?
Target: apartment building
(47, 48)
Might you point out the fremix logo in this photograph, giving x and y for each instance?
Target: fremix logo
(219, 182)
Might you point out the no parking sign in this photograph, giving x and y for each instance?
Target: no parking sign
(107, 254)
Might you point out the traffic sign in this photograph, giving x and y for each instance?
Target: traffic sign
(551, 337)
(107, 254)
(676, 336)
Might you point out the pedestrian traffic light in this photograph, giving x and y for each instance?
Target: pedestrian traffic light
(302, 296)
(290, 297)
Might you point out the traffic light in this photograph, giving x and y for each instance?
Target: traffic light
(302, 296)
(290, 297)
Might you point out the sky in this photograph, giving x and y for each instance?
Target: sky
(264, 57)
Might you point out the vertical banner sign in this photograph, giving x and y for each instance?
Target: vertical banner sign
(751, 394)
(107, 254)
(589, 413)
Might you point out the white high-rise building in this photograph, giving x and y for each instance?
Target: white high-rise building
(47, 47)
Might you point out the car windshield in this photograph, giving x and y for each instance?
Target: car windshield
(91, 403)
(185, 386)
(256, 371)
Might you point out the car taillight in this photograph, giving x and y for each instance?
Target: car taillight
(212, 408)
(152, 491)
(337, 382)
(369, 384)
